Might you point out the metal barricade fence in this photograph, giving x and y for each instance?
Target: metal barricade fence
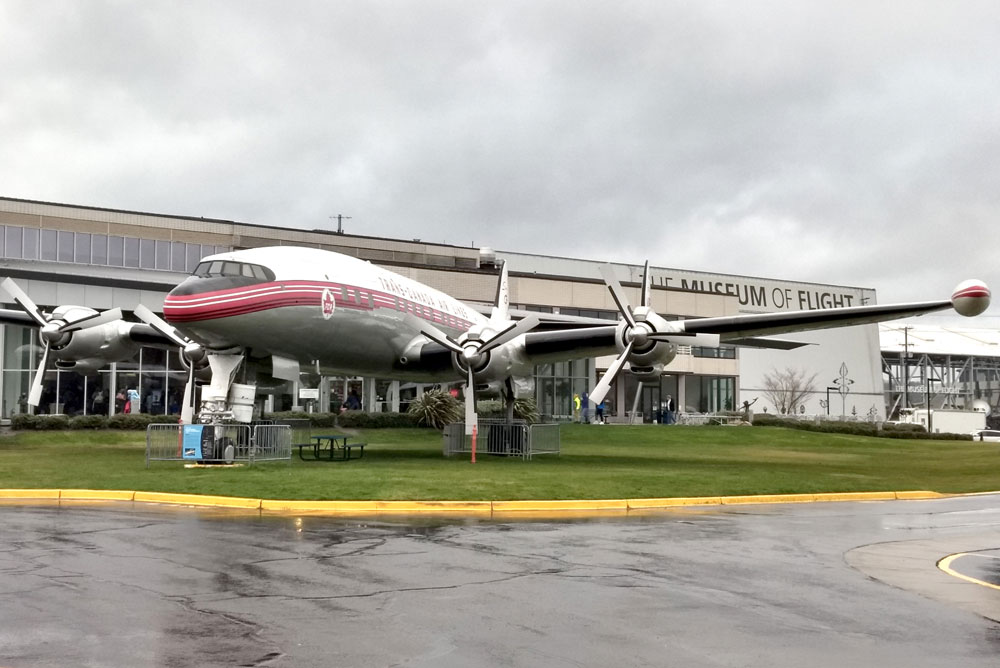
(301, 429)
(544, 439)
(502, 438)
(271, 442)
(221, 443)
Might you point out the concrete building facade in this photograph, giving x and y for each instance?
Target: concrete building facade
(104, 258)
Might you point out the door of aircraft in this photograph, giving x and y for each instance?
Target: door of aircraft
(650, 403)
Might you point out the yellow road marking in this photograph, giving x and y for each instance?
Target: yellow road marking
(945, 565)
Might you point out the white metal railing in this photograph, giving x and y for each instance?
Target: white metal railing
(498, 437)
(227, 443)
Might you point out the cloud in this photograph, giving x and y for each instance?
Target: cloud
(850, 144)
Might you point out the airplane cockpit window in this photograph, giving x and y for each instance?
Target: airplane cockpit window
(228, 268)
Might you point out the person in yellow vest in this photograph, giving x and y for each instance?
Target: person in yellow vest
(576, 407)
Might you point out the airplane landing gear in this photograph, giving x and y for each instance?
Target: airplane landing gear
(223, 400)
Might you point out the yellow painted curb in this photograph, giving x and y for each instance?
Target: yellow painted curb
(674, 502)
(769, 498)
(542, 505)
(30, 493)
(198, 500)
(523, 508)
(407, 507)
(920, 495)
(97, 494)
(856, 496)
(346, 507)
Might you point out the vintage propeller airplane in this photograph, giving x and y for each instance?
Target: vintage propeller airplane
(269, 313)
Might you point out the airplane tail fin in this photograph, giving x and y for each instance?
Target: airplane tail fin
(500, 313)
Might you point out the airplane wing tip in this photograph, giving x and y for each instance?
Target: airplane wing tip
(971, 297)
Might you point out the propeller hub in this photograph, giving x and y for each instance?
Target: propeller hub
(50, 332)
(193, 352)
(639, 335)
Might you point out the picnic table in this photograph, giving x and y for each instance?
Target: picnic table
(334, 446)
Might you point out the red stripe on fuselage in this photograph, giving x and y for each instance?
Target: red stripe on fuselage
(267, 296)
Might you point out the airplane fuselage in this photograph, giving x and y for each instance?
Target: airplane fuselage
(308, 304)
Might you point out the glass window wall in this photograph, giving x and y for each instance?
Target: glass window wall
(13, 242)
(30, 244)
(65, 242)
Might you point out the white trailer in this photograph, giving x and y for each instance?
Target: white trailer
(945, 421)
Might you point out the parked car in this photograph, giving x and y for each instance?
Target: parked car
(986, 435)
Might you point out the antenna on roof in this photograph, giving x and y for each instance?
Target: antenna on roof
(340, 222)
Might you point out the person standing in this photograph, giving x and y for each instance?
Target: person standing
(586, 408)
(576, 408)
(599, 413)
(133, 401)
(669, 408)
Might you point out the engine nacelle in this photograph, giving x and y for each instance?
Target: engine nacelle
(498, 364)
(90, 349)
(647, 374)
(649, 356)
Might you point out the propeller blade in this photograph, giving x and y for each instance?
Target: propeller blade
(187, 410)
(602, 387)
(92, 320)
(433, 333)
(669, 336)
(35, 396)
(611, 281)
(471, 419)
(160, 325)
(645, 285)
(23, 300)
(635, 402)
(501, 305)
(514, 330)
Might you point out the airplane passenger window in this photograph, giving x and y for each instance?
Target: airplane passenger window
(258, 272)
(248, 271)
(230, 268)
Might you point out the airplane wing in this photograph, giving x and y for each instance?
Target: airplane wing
(549, 321)
(10, 316)
(646, 340)
(735, 328)
(138, 333)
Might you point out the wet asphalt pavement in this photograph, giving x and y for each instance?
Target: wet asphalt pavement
(833, 584)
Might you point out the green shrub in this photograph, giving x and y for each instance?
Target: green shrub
(435, 409)
(903, 427)
(914, 431)
(348, 419)
(88, 422)
(39, 422)
(524, 409)
(139, 420)
(362, 420)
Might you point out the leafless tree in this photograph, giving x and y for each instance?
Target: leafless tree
(788, 389)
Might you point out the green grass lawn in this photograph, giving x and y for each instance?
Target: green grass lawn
(596, 462)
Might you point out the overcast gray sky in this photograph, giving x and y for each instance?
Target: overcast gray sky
(851, 142)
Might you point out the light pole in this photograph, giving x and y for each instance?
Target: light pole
(927, 395)
(828, 388)
(906, 372)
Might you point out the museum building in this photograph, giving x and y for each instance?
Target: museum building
(104, 258)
